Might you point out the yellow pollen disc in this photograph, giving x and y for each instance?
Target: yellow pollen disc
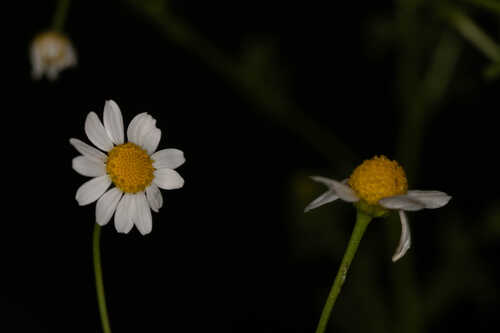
(52, 46)
(130, 167)
(378, 178)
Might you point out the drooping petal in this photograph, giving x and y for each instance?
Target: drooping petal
(168, 179)
(92, 190)
(403, 202)
(168, 158)
(97, 133)
(342, 190)
(151, 140)
(124, 212)
(405, 240)
(154, 197)
(113, 122)
(106, 205)
(325, 198)
(88, 167)
(430, 199)
(143, 220)
(88, 150)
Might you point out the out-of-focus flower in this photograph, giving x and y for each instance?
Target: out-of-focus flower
(136, 170)
(50, 53)
(377, 186)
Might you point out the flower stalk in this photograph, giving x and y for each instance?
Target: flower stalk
(101, 299)
(362, 221)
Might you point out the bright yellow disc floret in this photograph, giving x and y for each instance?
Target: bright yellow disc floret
(378, 178)
(130, 167)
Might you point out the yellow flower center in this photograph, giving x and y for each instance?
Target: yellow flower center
(378, 178)
(130, 167)
(52, 46)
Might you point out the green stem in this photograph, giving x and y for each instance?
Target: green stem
(60, 15)
(101, 299)
(362, 221)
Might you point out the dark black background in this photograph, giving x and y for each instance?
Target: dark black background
(223, 254)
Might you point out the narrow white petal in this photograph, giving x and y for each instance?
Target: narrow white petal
(144, 128)
(154, 197)
(97, 133)
(92, 190)
(88, 150)
(106, 205)
(168, 158)
(430, 199)
(133, 127)
(88, 167)
(168, 179)
(325, 198)
(113, 122)
(405, 240)
(342, 190)
(124, 212)
(151, 140)
(403, 202)
(143, 220)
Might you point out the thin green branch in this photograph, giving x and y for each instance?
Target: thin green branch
(101, 298)
(473, 33)
(60, 15)
(362, 221)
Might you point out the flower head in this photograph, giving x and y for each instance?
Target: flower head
(376, 187)
(50, 53)
(135, 168)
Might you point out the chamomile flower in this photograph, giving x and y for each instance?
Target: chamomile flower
(50, 53)
(377, 186)
(135, 168)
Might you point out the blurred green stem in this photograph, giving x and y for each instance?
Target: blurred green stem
(362, 221)
(60, 15)
(493, 5)
(474, 34)
(101, 299)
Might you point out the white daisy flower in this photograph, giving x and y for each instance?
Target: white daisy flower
(50, 53)
(377, 186)
(135, 168)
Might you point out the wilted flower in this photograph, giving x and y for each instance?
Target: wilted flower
(136, 170)
(50, 53)
(377, 186)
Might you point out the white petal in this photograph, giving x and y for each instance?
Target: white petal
(154, 197)
(137, 125)
(143, 220)
(88, 150)
(113, 122)
(403, 202)
(106, 205)
(97, 133)
(405, 240)
(342, 190)
(430, 199)
(88, 167)
(325, 198)
(151, 141)
(145, 126)
(92, 190)
(168, 179)
(124, 212)
(168, 158)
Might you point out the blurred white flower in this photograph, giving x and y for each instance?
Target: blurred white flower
(377, 186)
(135, 168)
(50, 53)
